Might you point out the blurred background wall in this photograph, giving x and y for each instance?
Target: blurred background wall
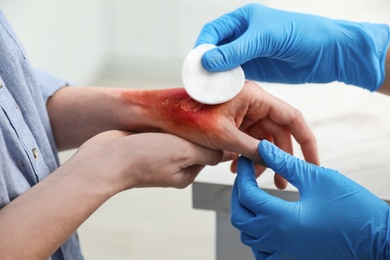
(67, 38)
(85, 40)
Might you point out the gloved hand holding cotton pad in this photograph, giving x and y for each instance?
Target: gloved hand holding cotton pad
(209, 87)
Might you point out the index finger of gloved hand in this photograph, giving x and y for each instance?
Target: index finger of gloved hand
(220, 29)
(238, 213)
(258, 249)
(241, 217)
(260, 254)
(293, 169)
(249, 194)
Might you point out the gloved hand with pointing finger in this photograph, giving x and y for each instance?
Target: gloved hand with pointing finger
(335, 218)
(287, 47)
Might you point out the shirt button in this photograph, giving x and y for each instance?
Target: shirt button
(35, 153)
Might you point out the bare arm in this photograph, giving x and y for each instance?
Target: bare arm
(113, 161)
(40, 220)
(78, 113)
(37, 222)
(236, 126)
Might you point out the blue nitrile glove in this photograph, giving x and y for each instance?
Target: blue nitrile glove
(335, 218)
(286, 47)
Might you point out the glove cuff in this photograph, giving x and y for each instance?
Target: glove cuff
(365, 52)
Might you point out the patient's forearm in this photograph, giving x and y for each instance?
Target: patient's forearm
(36, 223)
(79, 113)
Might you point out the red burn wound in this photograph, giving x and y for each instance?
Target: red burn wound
(175, 107)
(190, 105)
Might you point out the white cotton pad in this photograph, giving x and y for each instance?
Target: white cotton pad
(209, 87)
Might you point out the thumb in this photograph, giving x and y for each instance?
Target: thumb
(229, 56)
(296, 171)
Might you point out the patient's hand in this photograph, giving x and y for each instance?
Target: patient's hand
(235, 126)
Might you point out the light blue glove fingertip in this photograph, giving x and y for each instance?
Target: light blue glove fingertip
(246, 175)
(267, 151)
(244, 165)
(273, 156)
(201, 40)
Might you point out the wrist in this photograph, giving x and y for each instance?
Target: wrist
(138, 110)
(93, 174)
(156, 110)
(75, 120)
